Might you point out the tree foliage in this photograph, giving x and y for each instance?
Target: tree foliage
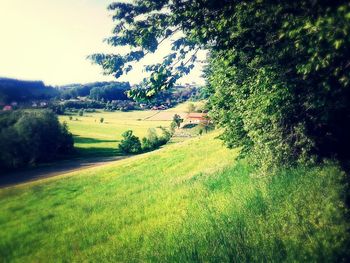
(130, 143)
(279, 71)
(108, 91)
(177, 120)
(31, 137)
(13, 90)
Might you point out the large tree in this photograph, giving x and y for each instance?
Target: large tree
(279, 71)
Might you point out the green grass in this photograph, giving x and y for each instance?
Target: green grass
(188, 202)
(93, 138)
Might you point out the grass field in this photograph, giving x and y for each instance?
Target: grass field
(188, 202)
(93, 138)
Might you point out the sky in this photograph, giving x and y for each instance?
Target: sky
(49, 40)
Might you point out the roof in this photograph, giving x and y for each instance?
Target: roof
(7, 107)
(194, 115)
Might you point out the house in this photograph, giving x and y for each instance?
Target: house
(7, 108)
(194, 117)
(143, 105)
(161, 107)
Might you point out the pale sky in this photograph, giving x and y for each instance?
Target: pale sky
(49, 40)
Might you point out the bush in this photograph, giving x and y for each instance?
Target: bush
(31, 137)
(130, 143)
(152, 141)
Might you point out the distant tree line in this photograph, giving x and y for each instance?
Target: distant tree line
(32, 137)
(99, 91)
(109, 96)
(13, 90)
(174, 96)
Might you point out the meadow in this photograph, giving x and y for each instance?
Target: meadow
(92, 138)
(188, 202)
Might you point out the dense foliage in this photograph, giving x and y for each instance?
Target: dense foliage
(132, 144)
(31, 137)
(106, 91)
(278, 70)
(110, 92)
(153, 141)
(173, 96)
(113, 96)
(282, 89)
(12, 90)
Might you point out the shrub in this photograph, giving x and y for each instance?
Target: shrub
(153, 141)
(130, 143)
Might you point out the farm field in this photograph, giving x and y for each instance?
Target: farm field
(188, 202)
(93, 138)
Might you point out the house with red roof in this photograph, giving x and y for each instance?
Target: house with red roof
(197, 118)
(7, 108)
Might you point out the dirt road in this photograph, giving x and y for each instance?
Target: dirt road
(55, 169)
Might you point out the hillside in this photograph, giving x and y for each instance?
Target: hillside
(188, 202)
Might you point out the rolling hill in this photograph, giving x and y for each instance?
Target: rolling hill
(188, 202)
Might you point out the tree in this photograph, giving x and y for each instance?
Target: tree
(111, 91)
(32, 137)
(81, 112)
(153, 141)
(102, 120)
(177, 120)
(278, 71)
(130, 143)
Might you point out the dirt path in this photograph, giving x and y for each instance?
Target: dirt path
(55, 169)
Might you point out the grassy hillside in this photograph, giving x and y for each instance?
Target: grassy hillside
(188, 202)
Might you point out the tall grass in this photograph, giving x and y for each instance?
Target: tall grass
(189, 202)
